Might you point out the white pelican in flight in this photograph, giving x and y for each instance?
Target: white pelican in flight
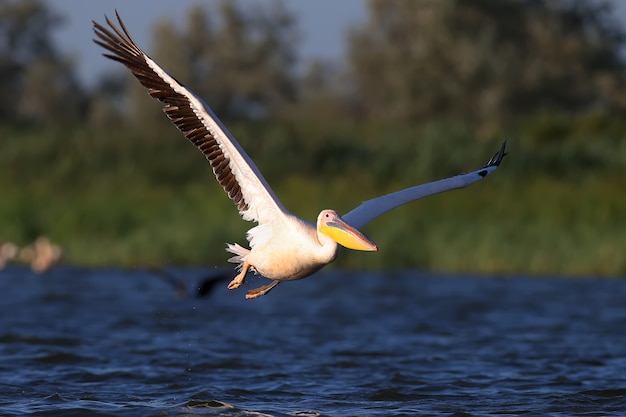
(282, 246)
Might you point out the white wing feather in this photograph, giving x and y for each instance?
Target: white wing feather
(370, 209)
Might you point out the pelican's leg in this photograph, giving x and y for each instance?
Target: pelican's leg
(258, 292)
(238, 280)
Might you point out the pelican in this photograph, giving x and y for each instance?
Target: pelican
(283, 247)
(8, 251)
(41, 254)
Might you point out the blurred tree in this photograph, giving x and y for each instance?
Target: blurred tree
(486, 61)
(37, 84)
(108, 99)
(240, 60)
(321, 92)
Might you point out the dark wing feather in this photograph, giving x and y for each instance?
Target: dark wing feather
(195, 120)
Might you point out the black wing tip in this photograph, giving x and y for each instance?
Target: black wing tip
(497, 157)
(98, 27)
(121, 33)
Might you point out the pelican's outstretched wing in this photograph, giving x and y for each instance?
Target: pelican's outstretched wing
(232, 167)
(370, 209)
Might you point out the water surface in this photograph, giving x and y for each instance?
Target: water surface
(112, 342)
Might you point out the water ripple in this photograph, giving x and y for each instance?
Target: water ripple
(110, 342)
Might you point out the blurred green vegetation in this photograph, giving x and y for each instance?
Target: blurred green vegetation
(113, 197)
(113, 183)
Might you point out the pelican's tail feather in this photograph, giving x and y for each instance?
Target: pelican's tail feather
(239, 252)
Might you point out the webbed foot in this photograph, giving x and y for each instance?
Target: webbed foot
(258, 292)
(238, 280)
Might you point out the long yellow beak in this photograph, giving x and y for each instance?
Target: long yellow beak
(347, 236)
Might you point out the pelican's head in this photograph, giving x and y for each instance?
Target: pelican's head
(332, 225)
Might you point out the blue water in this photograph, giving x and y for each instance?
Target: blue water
(112, 342)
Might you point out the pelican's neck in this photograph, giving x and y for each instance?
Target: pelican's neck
(328, 248)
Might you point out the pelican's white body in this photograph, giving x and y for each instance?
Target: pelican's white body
(286, 250)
